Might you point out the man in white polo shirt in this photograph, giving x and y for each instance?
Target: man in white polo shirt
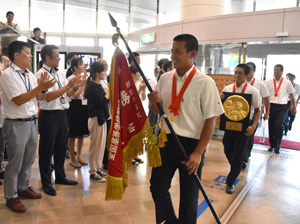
(235, 142)
(19, 89)
(53, 126)
(191, 100)
(280, 90)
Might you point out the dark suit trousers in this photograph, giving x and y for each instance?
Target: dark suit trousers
(276, 124)
(161, 179)
(53, 128)
(235, 150)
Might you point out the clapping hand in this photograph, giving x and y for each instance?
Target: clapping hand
(45, 82)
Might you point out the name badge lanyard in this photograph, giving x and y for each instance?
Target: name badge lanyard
(24, 81)
(62, 99)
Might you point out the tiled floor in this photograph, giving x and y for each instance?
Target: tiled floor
(273, 198)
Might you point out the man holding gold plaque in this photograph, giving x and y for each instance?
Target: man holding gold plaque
(237, 108)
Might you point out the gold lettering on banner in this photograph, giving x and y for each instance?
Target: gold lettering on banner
(233, 126)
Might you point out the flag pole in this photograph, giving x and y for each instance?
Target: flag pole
(162, 113)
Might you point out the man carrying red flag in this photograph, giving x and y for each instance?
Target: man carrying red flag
(129, 127)
(191, 101)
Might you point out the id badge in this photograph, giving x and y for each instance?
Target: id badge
(62, 100)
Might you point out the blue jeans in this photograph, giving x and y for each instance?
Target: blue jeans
(161, 179)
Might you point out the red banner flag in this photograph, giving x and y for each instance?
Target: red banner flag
(130, 129)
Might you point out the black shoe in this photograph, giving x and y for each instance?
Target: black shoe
(270, 149)
(2, 175)
(244, 165)
(0, 182)
(66, 181)
(229, 189)
(48, 189)
(277, 150)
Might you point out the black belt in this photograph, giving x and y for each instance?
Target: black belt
(23, 119)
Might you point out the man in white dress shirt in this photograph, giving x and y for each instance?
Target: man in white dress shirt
(280, 90)
(19, 89)
(265, 109)
(195, 109)
(53, 126)
(289, 117)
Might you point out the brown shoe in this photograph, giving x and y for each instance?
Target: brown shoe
(15, 205)
(29, 193)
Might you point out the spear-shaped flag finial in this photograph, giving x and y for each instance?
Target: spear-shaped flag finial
(112, 20)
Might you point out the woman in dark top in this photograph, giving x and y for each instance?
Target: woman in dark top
(98, 100)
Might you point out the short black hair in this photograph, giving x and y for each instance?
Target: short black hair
(133, 69)
(254, 66)
(279, 66)
(10, 12)
(70, 55)
(47, 50)
(191, 43)
(245, 67)
(167, 64)
(156, 70)
(36, 29)
(1, 58)
(135, 54)
(291, 75)
(161, 62)
(16, 46)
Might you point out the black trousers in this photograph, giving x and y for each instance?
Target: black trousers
(235, 149)
(249, 144)
(53, 128)
(288, 119)
(105, 157)
(161, 179)
(276, 124)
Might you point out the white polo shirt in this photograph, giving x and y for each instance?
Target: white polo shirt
(12, 84)
(200, 101)
(283, 94)
(60, 78)
(260, 86)
(255, 101)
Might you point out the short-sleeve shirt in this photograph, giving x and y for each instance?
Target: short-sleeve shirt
(256, 99)
(13, 83)
(260, 86)
(60, 78)
(200, 101)
(285, 90)
(296, 91)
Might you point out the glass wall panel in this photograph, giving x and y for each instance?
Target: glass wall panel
(47, 16)
(54, 40)
(19, 8)
(104, 24)
(221, 58)
(80, 41)
(80, 16)
(143, 14)
(168, 13)
(274, 4)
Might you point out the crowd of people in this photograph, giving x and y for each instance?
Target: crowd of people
(70, 105)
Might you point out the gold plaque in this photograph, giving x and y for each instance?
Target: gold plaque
(236, 108)
(233, 126)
